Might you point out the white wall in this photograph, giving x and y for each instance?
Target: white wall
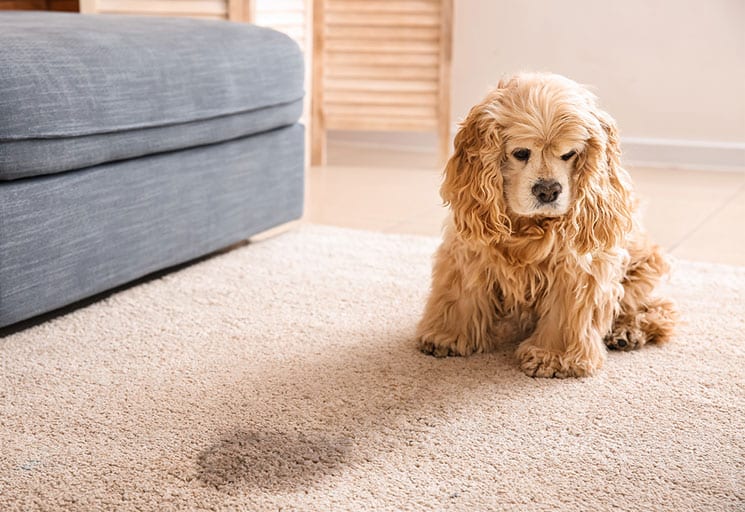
(672, 72)
(672, 69)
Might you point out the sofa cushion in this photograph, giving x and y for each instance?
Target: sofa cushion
(80, 90)
(68, 236)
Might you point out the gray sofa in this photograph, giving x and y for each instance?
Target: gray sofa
(129, 145)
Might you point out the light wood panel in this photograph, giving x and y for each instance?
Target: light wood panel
(233, 10)
(381, 65)
(294, 18)
(289, 16)
(446, 63)
(397, 124)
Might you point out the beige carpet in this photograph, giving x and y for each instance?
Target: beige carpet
(283, 376)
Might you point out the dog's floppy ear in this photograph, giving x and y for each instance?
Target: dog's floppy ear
(472, 185)
(602, 212)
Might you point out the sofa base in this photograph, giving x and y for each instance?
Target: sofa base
(69, 236)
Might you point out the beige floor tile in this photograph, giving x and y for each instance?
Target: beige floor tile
(360, 156)
(669, 221)
(385, 194)
(720, 238)
(674, 202)
(428, 223)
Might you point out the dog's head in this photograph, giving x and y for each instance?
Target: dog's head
(538, 147)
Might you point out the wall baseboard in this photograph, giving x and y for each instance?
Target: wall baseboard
(637, 151)
(684, 154)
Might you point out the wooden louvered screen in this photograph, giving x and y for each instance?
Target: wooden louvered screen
(234, 10)
(294, 18)
(288, 16)
(381, 65)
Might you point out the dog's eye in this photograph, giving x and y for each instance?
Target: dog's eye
(521, 154)
(567, 156)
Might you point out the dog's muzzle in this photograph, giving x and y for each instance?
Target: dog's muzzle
(546, 191)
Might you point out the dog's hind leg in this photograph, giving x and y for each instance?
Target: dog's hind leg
(652, 322)
(643, 318)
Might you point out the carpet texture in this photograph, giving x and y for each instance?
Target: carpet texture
(283, 376)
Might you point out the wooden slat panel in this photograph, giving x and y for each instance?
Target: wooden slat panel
(381, 111)
(238, 10)
(88, 6)
(273, 17)
(318, 124)
(339, 84)
(293, 17)
(382, 72)
(288, 16)
(383, 66)
(167, 7)
(385, 20)
(378, 46)
(383, 33)
(381, 59)
(385, 124)
(170, 15)
(443, 100)
(381, 98)
(279, 5)
(373, 6)
(197, 16)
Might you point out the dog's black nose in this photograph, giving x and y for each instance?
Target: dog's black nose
(546, 191)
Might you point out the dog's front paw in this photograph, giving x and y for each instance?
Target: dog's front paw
(537, 362)
(440, 348)
(433, 349)
(625, 338)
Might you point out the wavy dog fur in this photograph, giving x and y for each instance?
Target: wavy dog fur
(567, 278)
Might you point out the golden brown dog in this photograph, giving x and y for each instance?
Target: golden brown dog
(542, 245)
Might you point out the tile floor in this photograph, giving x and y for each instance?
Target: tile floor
(696, 215)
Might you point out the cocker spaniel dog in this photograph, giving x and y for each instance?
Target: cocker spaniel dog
(542, 245)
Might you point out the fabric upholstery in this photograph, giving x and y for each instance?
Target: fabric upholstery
(67, 236)
(33, 157)
(78, 90)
